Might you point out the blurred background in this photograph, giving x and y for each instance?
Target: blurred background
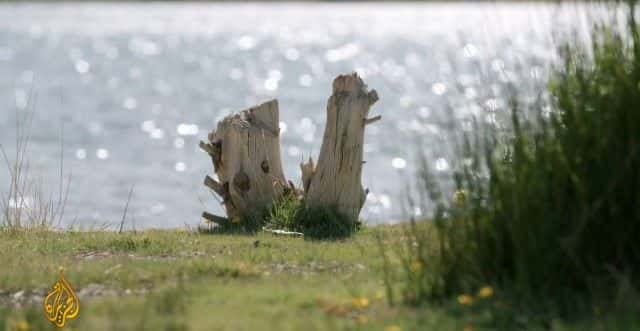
(128, 90)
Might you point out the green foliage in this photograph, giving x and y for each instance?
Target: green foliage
(290, 213)
(551, 211)
(284, 212)
(415, 256)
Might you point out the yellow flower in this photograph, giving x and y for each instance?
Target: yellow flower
(468, 328)
(459, 197)
(416, 267)
(465, 300)
(360, 303)
(485, 292)
(22, 325)
(362, 319)
(392, 328)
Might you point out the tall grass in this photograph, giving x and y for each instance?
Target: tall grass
(24, 203)
(551, 211)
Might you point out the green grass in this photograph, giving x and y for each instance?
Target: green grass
(182, 280)
(178, 280)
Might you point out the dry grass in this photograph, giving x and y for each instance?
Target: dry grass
(25, 204)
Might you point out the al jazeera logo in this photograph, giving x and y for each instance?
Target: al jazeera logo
(61, 304)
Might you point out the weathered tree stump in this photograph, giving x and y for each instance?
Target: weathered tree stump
(336, 180)
(245, 150)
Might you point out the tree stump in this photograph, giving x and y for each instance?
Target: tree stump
(245, 151)
(336, 180)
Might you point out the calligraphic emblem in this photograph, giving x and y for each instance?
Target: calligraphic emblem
(61, 304)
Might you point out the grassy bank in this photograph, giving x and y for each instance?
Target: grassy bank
(178, 280)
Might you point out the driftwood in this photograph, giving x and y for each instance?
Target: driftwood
(245, 151)
(336, 180)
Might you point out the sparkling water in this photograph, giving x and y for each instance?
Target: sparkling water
(128, 90)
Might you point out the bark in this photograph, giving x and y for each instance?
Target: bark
(336, 180)
(245, 151)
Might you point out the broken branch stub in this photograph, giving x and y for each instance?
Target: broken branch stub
(336, 180)
(245, 151)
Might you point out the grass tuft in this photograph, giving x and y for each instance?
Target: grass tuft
(284, 212)
(318, 223)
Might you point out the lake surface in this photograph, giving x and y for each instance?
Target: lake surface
(134, 87)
